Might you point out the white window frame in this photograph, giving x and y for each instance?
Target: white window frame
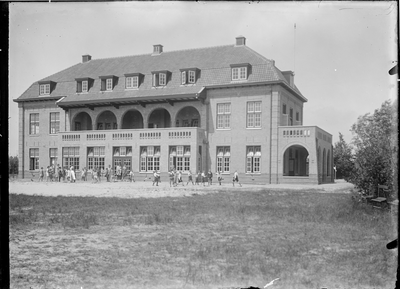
(33, 159)
(253, 118)
(239, 73)
(84, 86)
(183, 77)
(162, 79)
(253, 159)
(44, 89)
(109, 84)
(223, 159)
(54, 122)
(132, 82)
(224, 115)
(192, 76)
(34, 124)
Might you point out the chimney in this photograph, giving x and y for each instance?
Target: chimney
(289, 76)
(157, 49)
(86, 58)
(240, 41)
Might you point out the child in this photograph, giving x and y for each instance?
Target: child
(156, 176)
(209, 177)
(219, 176)
(41, 174)
(171, 178)
(189, 178)
(236, 178)
(131, 176)
(203, 178)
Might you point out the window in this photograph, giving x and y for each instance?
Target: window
(83, 84)
(223, 159)
(53, 156)
(150, 158)
(44, 89)
(223, 115)
(132, 82)
(239, 73)
(284, 109)
(34, 123)
(253, 159)
(122, 156)
(34, 159)
(297, 116)
(108, 82)
(54, 122)
(254, 114)
(188, 76)
(96, 157)
(160, 78)
(71, 157)
(179, 157)
(291, 116)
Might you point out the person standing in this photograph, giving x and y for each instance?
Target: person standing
(131, 176)
(175, 178)
(171, 177)
(99, 174)
(41, 174)
(155, 178)
(219, 177)
(190, 178)
(72, 172)
(47, 174)
(236, 178)
(60, 173)
(209, 177)
(203, 178)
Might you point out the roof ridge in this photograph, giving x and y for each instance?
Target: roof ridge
(164, 52)
(258, 54)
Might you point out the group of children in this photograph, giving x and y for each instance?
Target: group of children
(175, 177)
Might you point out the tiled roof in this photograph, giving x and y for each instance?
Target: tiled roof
(213, 62)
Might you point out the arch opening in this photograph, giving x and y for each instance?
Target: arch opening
(188, 116)
(82, 121)
(106, 121)
(296, 161)
(159, 118)
(132, 119)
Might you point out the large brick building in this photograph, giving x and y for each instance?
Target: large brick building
(222, 108)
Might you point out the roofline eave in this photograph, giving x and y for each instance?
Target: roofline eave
(239, 84)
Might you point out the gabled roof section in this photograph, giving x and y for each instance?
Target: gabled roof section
(214, 64)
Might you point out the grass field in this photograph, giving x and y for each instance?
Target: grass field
(227, 239)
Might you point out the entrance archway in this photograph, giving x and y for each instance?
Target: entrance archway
(82, 121)
(295, 161)
(132, 119)
(159, 118)
(106, 120)
(188, 117)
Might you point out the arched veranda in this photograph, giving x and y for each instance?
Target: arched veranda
(106, 120)
(296, 161)
(159, 118)
(188, 117)
(82, 121)
(132, 119)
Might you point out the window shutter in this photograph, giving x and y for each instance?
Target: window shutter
(183, 77)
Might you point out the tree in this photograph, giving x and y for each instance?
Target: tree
(373, 147)
(13, 165)
(343, 158)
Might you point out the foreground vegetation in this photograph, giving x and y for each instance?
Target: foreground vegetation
(237, 239)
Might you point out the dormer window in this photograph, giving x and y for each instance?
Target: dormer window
(83, 85)
(45, 87)
(132, 80)
(160, 78)
(108, 82)
(189, 76)
(240, 71)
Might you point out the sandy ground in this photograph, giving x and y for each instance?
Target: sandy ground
(145, 189)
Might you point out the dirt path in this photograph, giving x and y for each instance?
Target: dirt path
(144, 189)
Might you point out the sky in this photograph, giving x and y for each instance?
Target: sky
(341, 52)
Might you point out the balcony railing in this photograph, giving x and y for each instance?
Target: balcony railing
(167, 134)
(304, 132)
